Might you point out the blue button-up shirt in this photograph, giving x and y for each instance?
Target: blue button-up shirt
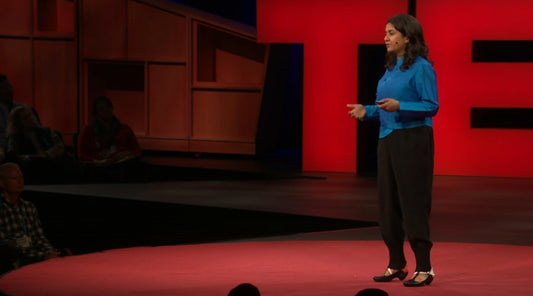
(416, 90)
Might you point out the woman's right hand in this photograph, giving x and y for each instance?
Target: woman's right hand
(357, 112)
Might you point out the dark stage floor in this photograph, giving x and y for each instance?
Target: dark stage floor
(465, 209)
(236, 201)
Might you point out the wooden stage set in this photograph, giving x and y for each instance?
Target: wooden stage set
(207, 230)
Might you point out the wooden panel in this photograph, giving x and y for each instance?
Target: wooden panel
(15, 63)
(66, 15)
(54, 16)
(209, 39)
(232, 69)
(154, 34)
(130, 108)
(167, 88)
(56, 84)
(163, 144)
(46, 15)
(225, 115)
(104, 29)
(15, 17)
(222, 147)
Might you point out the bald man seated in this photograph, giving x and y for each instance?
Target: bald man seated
(22, 239)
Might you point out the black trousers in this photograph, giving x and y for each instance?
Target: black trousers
(405, 179)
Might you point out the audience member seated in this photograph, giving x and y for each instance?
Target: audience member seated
(22, 238)
(39, 151)
(244, 289)
(371, 292)
(108, 145)
(6, 105)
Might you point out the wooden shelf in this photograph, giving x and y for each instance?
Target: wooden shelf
(182, 79)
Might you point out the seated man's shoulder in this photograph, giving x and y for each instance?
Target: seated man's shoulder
(27, 203)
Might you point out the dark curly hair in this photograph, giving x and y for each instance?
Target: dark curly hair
(410, 28)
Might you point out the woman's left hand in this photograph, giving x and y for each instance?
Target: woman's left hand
(389, 105)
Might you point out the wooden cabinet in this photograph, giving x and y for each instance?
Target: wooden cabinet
(39, 56)
(16, 62)
(55, 17)
(55, 84)
(103, 29)
(168, 104)
(197, 82)
(184, 80)
(155, 34)
(15, 18)
(227, 87)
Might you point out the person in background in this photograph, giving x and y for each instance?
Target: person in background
(107, 144)
(244, 289)
(21, 234)
(6, 105)
(406, 102)
(39, 151)
(372, 292)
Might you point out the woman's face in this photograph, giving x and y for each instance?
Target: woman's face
(395, 41)
(104, 111)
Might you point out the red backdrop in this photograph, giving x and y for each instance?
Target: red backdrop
(450, 28)
(331, 31)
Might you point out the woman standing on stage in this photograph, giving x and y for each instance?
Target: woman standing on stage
(406, 102)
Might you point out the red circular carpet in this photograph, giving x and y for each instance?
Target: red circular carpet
(276, 268)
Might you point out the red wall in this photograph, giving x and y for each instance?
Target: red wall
(461, 150)
(331, 30)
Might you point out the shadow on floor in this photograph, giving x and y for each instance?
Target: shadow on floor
(88, 224)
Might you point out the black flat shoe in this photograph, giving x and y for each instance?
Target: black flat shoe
(417, 280)
(400, 274)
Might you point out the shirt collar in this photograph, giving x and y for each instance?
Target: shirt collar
(399, 62)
